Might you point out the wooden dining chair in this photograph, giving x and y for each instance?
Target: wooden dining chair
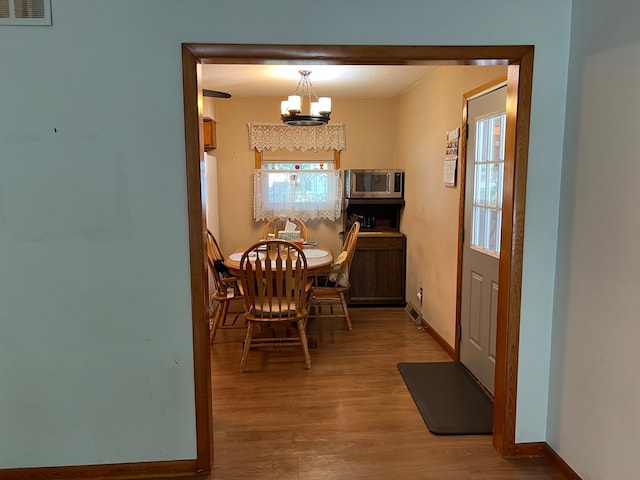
(227, 290)
(276, 224)
(274, 275)
(328, 298)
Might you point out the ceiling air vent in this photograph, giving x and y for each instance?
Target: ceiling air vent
(25, 12)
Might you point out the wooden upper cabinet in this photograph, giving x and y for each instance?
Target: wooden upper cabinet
(209, 133)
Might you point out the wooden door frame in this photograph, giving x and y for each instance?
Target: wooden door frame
(519, 59)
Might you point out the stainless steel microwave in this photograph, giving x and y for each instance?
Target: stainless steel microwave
(374, 184)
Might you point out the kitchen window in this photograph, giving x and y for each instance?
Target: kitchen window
(305, 189)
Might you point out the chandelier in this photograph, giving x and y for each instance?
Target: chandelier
(319, 107)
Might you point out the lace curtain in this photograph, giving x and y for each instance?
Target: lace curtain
(306, 194)
(271, 136)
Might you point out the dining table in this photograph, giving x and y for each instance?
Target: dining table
(319, 260)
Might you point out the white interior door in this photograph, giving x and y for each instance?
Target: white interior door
(482, 225)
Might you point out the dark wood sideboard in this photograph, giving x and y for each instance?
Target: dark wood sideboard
(378, 269)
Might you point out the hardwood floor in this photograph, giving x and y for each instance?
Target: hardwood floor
(350, 417)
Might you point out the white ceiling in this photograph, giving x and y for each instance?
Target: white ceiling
(372, 81)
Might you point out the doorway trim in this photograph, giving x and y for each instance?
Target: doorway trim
(519, 59)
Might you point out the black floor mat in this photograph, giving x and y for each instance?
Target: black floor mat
(448, 398)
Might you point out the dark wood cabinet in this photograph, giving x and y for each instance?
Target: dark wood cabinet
(378, 268)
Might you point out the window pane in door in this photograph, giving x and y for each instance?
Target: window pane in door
(494, 185)
(488, 183)
(479, 223)
(480, 190)
(493, 230)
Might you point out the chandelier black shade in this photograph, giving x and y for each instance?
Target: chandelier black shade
(319, 108)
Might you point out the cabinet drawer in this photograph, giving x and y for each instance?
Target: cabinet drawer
(380, 243)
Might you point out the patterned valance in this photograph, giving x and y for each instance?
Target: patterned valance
(278, 136)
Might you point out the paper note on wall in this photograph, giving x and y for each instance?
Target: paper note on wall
(451, 158)
(449, 173)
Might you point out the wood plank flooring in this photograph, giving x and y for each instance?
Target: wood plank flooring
(350, 417)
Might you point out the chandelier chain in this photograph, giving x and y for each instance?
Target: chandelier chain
(305, 87)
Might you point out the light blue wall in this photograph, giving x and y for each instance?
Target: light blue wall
(594, 419)
(94, 289)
